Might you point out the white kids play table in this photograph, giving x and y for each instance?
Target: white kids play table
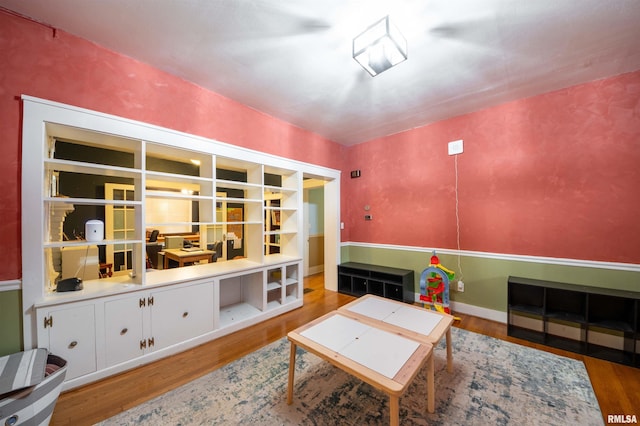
(423, 325)
(377, 354)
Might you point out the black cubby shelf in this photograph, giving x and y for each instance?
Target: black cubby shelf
(599, 322)
(358, 279)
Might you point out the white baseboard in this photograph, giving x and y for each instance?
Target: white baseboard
(316, 269)
(476, 311)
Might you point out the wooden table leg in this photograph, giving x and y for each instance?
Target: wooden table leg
(292, 369)
(394, 410)
(449, 352)
(431, 386)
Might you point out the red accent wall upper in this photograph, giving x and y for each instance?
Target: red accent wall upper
(556, 175)
(40, 62)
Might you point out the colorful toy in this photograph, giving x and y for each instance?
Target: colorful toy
(434, 285)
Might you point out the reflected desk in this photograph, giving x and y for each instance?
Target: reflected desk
(387, 360)
(182, 256)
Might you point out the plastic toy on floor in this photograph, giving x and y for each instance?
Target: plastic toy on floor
(434, 285)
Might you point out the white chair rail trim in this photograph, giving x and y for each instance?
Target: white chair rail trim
(582, 263)
(9, 285)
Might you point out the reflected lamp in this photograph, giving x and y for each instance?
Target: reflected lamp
(380, 47)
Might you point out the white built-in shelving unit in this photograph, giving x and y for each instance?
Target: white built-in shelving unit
(140, 314)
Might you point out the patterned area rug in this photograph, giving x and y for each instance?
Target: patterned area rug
(493, 382)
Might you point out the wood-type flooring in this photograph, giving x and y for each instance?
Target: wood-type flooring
(617, 387)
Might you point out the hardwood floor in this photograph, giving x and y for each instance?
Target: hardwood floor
(617, 387)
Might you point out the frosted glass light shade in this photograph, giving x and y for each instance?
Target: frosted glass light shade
(380, 47)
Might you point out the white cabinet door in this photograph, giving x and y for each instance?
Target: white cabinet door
(182, 313)
(71, 333)
(124, 334)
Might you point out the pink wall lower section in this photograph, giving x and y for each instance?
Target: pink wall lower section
(555, 175)
(63, 68)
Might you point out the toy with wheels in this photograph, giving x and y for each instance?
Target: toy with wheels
(434, 285)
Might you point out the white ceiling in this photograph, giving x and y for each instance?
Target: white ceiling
(292, 58)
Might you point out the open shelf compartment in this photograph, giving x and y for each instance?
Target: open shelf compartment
(240, 297)
(598, 322)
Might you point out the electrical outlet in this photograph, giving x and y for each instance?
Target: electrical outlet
(460, 286)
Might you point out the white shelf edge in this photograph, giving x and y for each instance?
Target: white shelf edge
(91, 201)
(273, 286)
(152, 224)
(280, 232)
(251, 222)
(234, 184)
(90, 168)
(178, 195)
(175, 177)
(83, 243)
(273, 305)
(279, 189)
(281, 209)
(290, 299)
(239, 200)
(291, 281)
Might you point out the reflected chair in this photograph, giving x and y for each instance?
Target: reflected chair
(217, 249)
(154, 236)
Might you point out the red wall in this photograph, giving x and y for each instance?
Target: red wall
(555, 175)
(57, 66)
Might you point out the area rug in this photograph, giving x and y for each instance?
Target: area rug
(493, 383)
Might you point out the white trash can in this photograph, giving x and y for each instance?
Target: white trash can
(30, 383)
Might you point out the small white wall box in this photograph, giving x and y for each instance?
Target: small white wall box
(94, 230)
(455, 147)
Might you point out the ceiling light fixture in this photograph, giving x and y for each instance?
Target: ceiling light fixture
(380, 47)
